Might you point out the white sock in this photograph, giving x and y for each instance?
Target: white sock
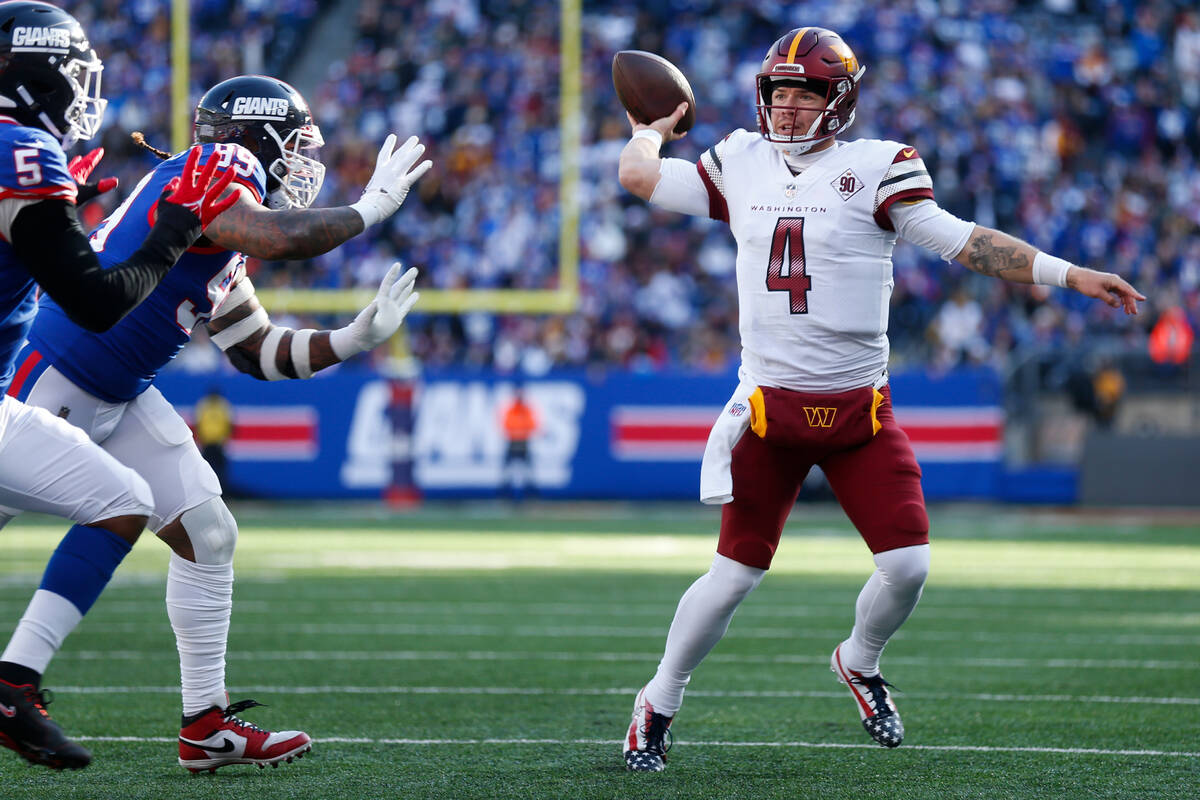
(700, 621)
(48, 619)
(889, 596)
(199, 604)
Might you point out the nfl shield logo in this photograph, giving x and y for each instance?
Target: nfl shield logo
(737, 409)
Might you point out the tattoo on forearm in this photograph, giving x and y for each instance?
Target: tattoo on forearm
(293, 233)
(989, 258)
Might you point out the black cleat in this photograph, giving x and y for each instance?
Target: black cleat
(648, 740)
(879, 715)
(27, 728)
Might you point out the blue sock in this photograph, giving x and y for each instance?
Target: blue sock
(83, 563)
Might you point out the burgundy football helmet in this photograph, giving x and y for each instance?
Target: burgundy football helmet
(818, 60)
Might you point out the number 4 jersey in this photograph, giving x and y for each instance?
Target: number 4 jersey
(814, 255)
(119, 364)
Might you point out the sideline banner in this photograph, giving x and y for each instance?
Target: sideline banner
(617, 436)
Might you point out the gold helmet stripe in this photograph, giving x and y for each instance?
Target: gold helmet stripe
(791, 59)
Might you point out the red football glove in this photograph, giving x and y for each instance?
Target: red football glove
(81, 168)
(196, 191)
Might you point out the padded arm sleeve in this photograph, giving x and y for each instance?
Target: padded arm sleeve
(680, 188)
(49, 242)
(927, 224)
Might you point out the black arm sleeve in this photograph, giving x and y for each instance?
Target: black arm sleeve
(48, 240)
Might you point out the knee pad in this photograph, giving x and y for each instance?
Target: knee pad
(735, 578)
(212, 531)
(905, 567)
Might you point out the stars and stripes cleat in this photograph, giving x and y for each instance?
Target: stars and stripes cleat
(26, 727)
(646, 745)
(217, 738)
(879, 715)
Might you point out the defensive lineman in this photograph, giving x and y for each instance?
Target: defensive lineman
(263, 136)
(50, 98)
(815, 220)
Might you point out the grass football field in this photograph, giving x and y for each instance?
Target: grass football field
(487, 652)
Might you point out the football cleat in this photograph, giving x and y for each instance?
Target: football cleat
(26, 727)
(879, 715)
(648, 740)
(217, 738)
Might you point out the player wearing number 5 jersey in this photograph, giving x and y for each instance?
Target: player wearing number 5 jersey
(262, 137)
(49, 99)
(815, 220)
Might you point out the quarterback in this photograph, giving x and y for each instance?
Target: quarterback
(262, 135)
(815, 220)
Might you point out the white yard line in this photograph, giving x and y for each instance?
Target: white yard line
(666, 605)
(493, 655)
(655, 630)
(613, 743)
(630, 691)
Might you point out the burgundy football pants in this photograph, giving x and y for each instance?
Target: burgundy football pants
(878, 484)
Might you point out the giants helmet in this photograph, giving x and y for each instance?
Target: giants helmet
(818, 60)
(49, 74)
(270, 119)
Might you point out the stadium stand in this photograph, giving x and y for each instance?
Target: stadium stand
(1071, 123)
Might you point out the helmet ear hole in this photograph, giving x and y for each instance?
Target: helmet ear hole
(40, 86)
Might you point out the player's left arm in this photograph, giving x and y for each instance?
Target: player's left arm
(269, 352)
(904, 203)
(995, 253)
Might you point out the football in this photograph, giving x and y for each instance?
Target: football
(650, 87)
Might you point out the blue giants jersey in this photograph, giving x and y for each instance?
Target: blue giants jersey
(120, 363)
(32, 167)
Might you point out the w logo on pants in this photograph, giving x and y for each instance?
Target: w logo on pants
(819, 417)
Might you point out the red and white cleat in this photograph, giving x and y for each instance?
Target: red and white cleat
(879, 715)
(217, 738)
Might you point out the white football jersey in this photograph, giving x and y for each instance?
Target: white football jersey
(814, 255)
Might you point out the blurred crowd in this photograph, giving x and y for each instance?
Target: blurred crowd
(133, 38)
(1070, 123)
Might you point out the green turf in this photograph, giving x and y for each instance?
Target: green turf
(486, 652)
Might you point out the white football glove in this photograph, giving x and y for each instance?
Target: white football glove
(394, 175)
(376, 323)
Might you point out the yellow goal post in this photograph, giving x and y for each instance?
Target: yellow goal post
(563, 299)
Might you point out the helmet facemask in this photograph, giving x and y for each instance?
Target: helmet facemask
(300, 177)
(825, 126)
(86, 112)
